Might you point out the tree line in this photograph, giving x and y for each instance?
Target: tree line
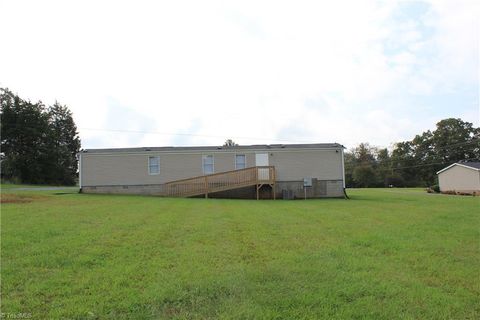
(39, 143)
(413, 163)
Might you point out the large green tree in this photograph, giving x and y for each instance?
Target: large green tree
(386, 176)
(64, 143)
(415, 162)
(456, 140)
(403, 163)
(453, 140)
(364, 176)
(361, 166)
(24, 131)
(38, 144)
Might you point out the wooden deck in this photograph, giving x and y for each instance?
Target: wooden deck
(222, 181)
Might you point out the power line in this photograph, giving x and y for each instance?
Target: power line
(194, 135)
(177, 134)
(473, 140)
(469, 148)
(394, 161)
(390, 162)
(415, 166)
(166, 133)
(216, 136)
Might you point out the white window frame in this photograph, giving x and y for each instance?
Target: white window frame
(244, 158)
(203, 163)
(149, 167)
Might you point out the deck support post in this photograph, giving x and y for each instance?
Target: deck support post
(206, 188)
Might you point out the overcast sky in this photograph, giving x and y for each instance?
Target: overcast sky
(199, 72)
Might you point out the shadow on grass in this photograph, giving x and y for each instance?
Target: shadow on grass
(356, 197)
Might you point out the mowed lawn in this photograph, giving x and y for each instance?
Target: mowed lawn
(383, 254)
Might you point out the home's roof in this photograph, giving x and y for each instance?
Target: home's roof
(470, 165)
(217, 148)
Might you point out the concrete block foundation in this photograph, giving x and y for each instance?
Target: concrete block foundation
(319, 189)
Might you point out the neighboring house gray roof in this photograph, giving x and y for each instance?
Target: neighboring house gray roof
(475, 165)
(470, 165)
(214, 148)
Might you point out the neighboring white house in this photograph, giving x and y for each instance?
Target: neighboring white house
(460, 177)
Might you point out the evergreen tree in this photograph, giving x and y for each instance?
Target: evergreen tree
(65, 145)
(360, 167)
(24, 127)
(38, 145)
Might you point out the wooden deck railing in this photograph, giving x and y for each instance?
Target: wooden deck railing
(221, 181)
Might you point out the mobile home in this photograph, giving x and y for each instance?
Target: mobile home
(254, 171)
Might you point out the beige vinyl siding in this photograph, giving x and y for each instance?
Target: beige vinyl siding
(459, 178)
(296, 165)
(132, 169)
(223, 162)
(250, 158)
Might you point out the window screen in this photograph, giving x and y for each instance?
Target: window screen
(240, 161)
(153, 165)
(208, 164)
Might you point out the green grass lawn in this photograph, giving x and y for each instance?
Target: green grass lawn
(384, 254)
(7, 186)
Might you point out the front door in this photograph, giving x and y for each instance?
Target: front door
(261, 159)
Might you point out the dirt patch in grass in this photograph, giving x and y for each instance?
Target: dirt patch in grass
(20, 198)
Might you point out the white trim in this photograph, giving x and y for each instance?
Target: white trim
(203, 163)
(457, 164)
(343, 170)
(245, 151)
(148, 165)
(80, 170)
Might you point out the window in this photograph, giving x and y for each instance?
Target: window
(240, 162)
(208, 164)
(153, 165)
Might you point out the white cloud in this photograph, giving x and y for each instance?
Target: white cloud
(303, 71)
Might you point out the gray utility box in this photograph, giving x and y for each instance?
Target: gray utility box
(288, 194)
(307, 182)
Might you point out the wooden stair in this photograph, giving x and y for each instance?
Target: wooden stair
(222, 181)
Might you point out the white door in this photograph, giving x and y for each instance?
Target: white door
(261, 159)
